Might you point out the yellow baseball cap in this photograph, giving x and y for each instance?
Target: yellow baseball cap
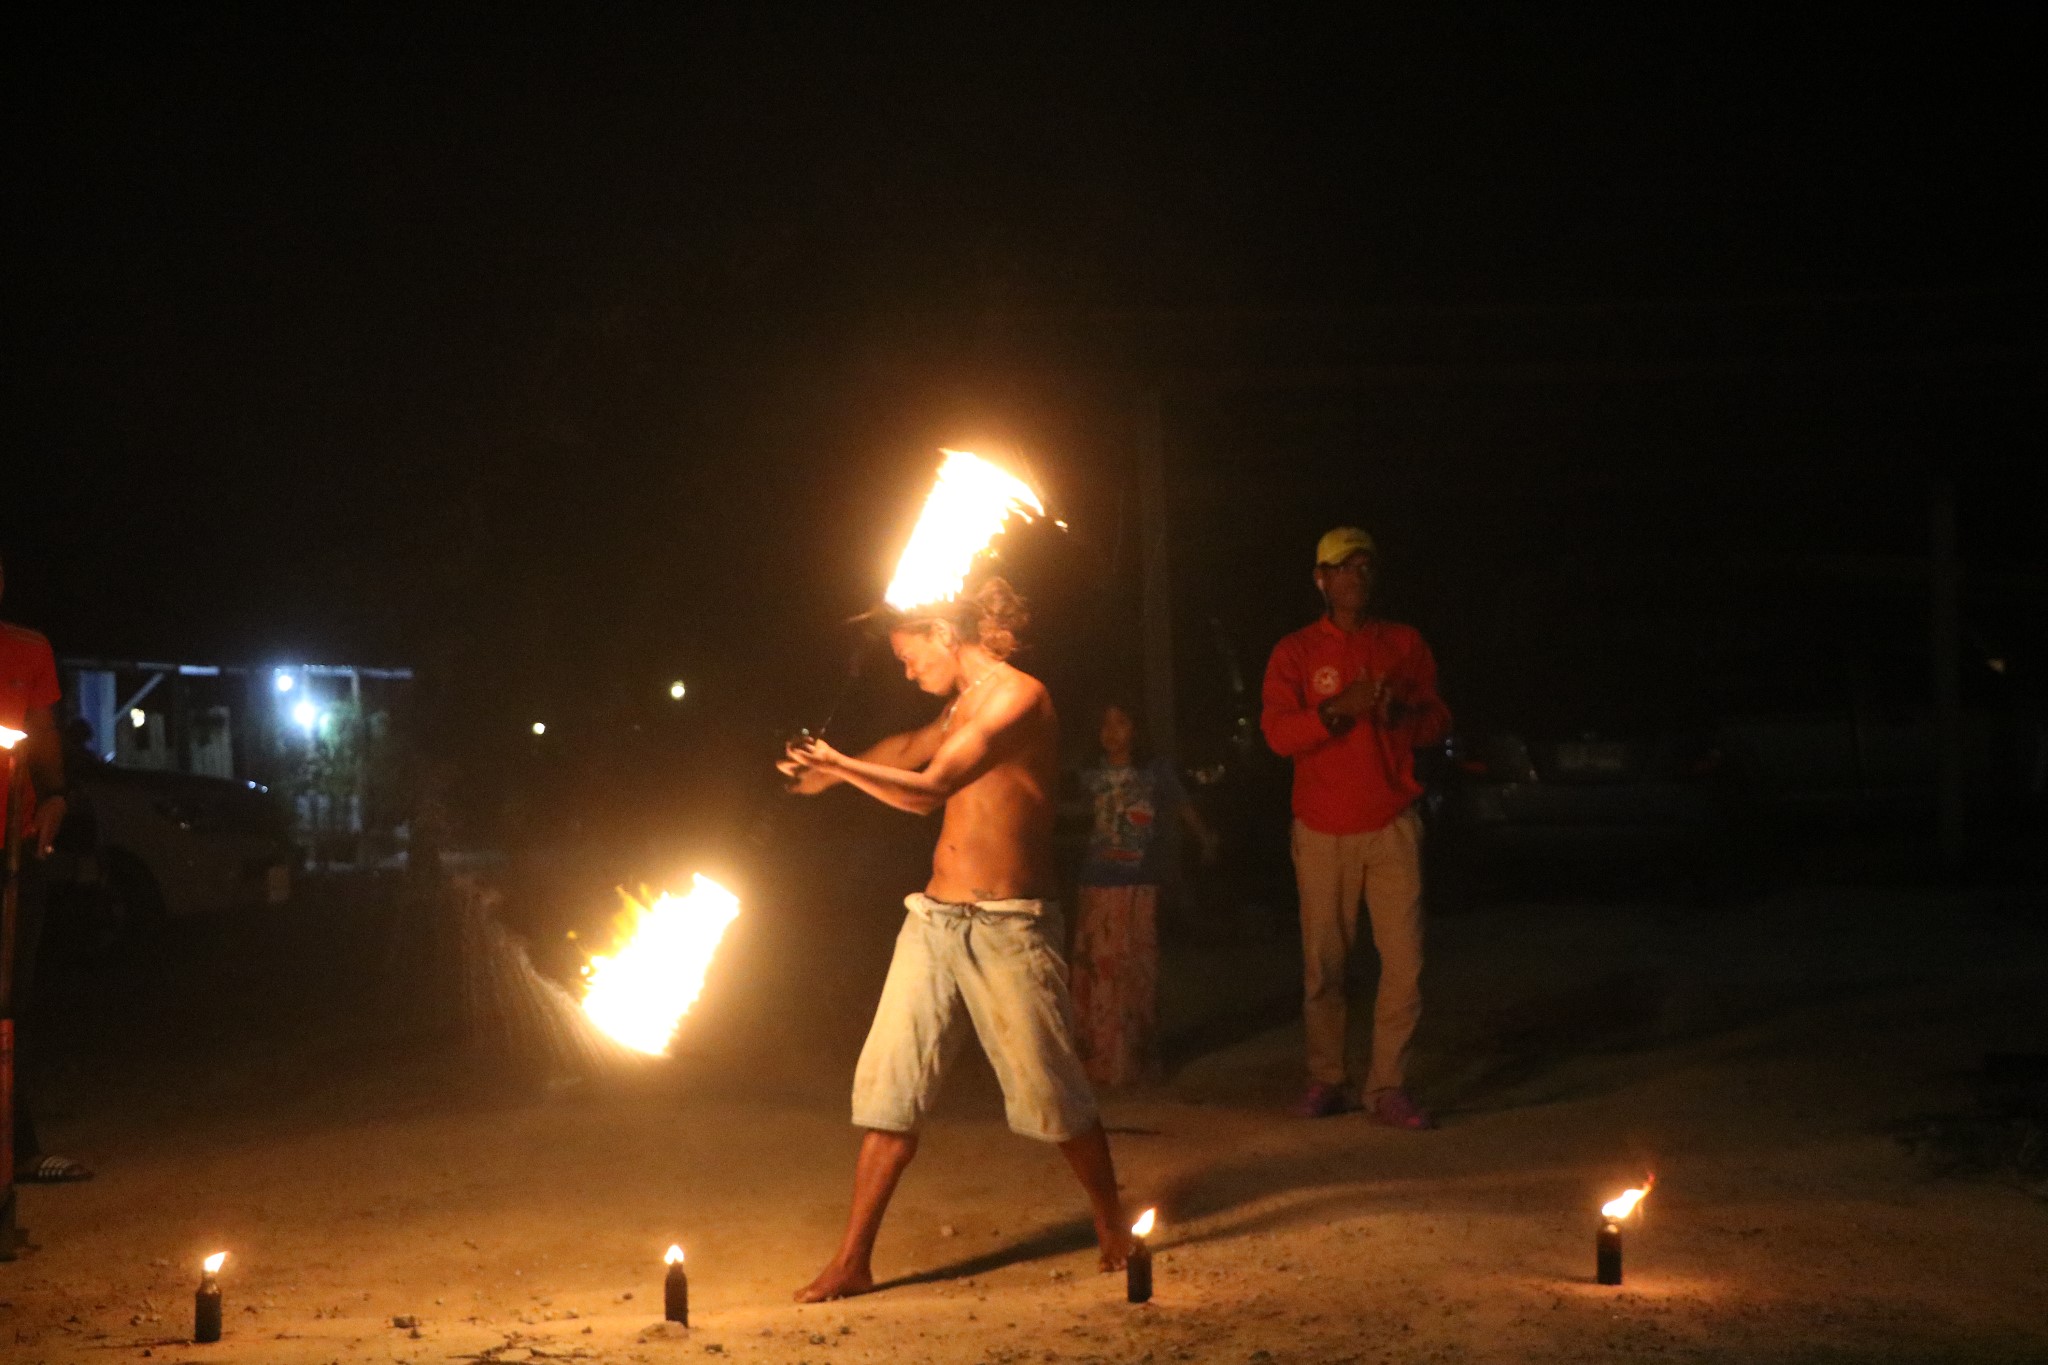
(1339, 545)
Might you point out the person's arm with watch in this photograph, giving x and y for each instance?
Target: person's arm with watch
(1364, 696)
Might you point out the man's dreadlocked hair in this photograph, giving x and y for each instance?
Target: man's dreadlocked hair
(991, 615)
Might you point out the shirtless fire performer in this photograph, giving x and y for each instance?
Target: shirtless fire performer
(984, 935)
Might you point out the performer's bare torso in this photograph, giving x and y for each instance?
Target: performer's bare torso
(996, 842)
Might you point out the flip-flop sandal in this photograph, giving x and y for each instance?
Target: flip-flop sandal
(52, 1170)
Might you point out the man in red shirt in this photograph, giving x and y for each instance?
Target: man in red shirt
(1349, 699)
(28, 689)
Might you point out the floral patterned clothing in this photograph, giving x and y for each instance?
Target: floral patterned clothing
(1115, 966)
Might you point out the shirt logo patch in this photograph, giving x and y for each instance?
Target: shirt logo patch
(1324, 683)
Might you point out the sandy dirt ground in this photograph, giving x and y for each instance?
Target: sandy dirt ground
(263, 1087)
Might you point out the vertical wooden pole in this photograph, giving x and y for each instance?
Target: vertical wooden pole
(1945, 579)
(362, 765)
(1156, 602)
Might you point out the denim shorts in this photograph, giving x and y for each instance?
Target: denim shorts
(994, 964)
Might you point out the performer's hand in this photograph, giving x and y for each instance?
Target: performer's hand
(807, 762)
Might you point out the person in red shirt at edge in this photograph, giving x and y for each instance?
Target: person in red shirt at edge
(1349, 699)
(28, 689)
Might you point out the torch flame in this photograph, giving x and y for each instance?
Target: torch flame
(640, 994)
(1143, 1227)
(675, 1255)
(9, 738)
(214, 1262)
(1621, 1207)
(968, 508)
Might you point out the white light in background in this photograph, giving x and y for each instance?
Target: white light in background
(676, 690)
(137, 717)
(540, 727)
(284, 681)
(307, 715)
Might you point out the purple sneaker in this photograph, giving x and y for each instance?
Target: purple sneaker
(1320, 1101)
(1395, 1109)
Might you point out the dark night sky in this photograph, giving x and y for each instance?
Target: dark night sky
(532, 351)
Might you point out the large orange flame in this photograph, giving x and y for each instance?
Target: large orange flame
(639, 994)
(9, 738)
(967, 509)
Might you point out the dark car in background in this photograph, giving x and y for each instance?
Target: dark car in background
(1846, 738)
(1714, 767)
(1587, 739)
(1509, 804)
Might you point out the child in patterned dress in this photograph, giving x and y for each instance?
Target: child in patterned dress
(1115, 960)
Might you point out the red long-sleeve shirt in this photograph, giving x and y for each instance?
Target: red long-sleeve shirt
(1362, 779)
(28, 680)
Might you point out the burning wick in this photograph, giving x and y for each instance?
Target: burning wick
(1138, 1265)
(676, 1289)
(206, 1303)
(1607, 1243)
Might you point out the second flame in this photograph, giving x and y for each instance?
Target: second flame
(639, 994)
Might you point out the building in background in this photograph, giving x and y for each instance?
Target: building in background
(323, 737)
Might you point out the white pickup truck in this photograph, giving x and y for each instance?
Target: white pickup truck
(142, 846)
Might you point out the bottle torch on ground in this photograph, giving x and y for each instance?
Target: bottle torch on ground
(675, 1289)
(1607, 1242)
(206, 1303)
(1138, 1264)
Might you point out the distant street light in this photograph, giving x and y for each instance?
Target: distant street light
(307, 715)
(540, 727)
(676, 690)
(285, 682)
(137, 717)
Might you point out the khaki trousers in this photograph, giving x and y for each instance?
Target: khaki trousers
(1332, 871)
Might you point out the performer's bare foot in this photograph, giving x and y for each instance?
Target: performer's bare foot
(1115, 1241)
(837, 1281)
